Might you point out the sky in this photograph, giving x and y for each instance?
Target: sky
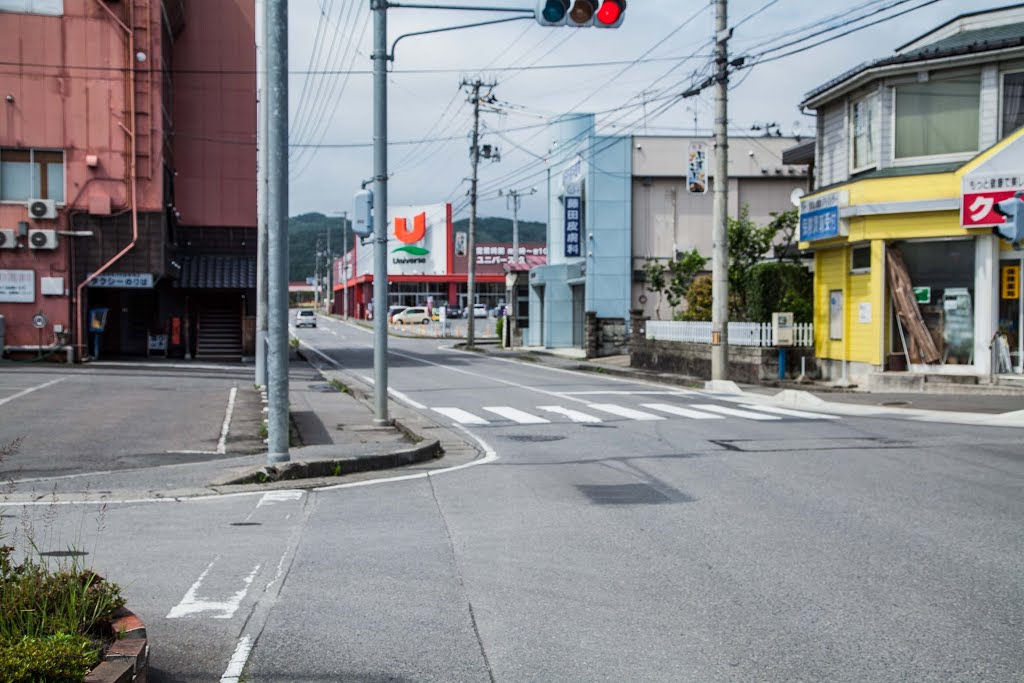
(335, 111)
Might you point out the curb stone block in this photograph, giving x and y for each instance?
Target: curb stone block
(127, 660)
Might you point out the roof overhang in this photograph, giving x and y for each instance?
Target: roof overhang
(875, 72)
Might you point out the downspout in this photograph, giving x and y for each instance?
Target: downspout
(130, 180)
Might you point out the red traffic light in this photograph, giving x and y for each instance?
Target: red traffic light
(610, 14)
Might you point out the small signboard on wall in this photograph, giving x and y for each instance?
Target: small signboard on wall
(835, 315)
(573, 225)
(17, 286)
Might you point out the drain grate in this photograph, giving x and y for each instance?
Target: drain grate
(246, 523)
(630, 494)
(323, 388)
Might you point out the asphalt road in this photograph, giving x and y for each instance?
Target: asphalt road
(617, 531)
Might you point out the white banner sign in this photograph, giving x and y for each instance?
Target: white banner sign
(17, 286)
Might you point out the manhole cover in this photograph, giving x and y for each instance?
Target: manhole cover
(64, 553)
(534, 438)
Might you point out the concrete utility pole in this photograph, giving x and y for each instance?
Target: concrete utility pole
(277, 231)
(720, 221)
(329, 293)
(344, 264)
(261, 201)
(380, 210)
(474, 154)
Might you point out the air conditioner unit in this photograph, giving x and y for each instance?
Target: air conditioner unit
(42, 239)
(8, 239)
(42, 208)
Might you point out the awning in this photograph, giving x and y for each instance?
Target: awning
(217, 272)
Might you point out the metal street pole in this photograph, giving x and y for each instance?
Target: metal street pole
(471, 241)
(380, 210)
(277, 231)
(344, 264)
(720, 221)
(329, 293)
(261, 201)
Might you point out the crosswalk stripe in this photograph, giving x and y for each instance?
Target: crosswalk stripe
(519, 416)
(682, 412)
(624, 412)
(791, 413)
(574, 415)
(461, 416)
(734, 412)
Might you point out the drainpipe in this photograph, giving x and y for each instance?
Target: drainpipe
(130, 179)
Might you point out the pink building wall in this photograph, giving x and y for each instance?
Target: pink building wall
(55, 105)
(215, 115)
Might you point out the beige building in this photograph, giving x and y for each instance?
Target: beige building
(668, 219)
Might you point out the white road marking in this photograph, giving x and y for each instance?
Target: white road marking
(790, 412)
(238, 660)
(682, 412)
(622, 411)
(628, 393)
(402, 397)
(519, 416)
(28, 391)
(278, 497)
(193, 604)
(222, 443)
(461, 416)
(574, 415)
(735, 413)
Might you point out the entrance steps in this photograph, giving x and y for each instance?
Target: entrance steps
(219, 335)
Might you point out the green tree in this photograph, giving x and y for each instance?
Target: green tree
(673, 278)
(748, 244)
(777, 286)
(786, 226)
(698, 296)
(654, 273)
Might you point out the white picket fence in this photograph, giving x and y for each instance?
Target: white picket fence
(740, 334)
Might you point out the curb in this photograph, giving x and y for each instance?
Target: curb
(337, 467)
(127, 660)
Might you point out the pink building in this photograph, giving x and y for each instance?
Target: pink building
(128, 174)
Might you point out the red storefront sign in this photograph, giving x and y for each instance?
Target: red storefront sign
(982, 193)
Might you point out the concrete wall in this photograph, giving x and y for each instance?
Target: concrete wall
(608, 230)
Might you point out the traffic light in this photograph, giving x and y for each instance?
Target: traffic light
(581, 13)
(1012, 210)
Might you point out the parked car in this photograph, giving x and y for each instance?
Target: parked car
(413, 314)
(392, 310)
(479, 310)
(454, 312)
(305, 317)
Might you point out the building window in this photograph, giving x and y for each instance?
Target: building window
(54, 7)
(863, 115)
(1013, 102)
(937, 117)
(860, 259)
(31, 174)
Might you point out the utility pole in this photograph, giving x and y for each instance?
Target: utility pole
(261, 202)
(380, 210)
(329, 293)
(344, 264)
(474, 153)
(277, 231)
(720, 220)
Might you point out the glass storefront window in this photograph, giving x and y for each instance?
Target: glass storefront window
(942, 274)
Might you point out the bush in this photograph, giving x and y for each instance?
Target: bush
(60, 658)
(499, 327)
(51, 619)
(698, 296)
(773, 287)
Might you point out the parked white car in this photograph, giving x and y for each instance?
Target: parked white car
(305, 317)
(479, 310)
(414, 314)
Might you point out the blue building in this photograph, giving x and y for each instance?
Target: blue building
(589, 189)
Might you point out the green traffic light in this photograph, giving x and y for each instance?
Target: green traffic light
(554, 10)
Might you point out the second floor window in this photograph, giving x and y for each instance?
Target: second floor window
(865, 137)
(1013, 102)
(31, 174)
(54, 7)
(937, 117)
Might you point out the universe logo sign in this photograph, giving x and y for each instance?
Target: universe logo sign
(409, 237)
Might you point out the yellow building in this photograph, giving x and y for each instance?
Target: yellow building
(913, 155)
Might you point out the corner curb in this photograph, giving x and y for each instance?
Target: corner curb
(127, 660)
(336, 467)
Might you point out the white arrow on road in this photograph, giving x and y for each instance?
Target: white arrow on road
(193, 604)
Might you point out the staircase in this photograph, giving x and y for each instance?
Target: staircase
(142, 32)
(219, 334)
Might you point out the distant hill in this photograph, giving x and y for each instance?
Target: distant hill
(304, 231)
(494, 229)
